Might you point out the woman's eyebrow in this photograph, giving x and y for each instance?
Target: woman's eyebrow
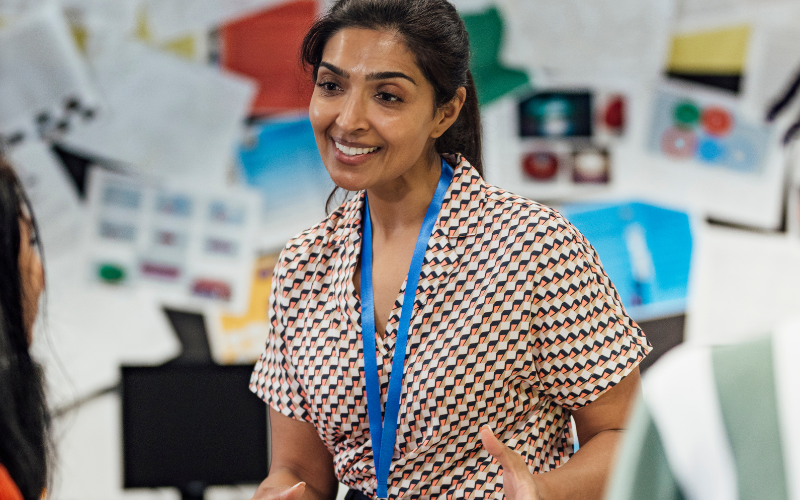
(386, 75)
(381, 75)
(335, 70)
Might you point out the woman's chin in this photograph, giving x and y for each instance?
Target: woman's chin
(349, 181)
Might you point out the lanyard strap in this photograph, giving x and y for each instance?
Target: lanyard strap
(383, 428)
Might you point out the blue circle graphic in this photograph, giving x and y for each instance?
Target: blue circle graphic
(711, 151)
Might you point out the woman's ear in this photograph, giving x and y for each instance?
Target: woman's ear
(447, 114)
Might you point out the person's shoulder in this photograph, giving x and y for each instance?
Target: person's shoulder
(522, 216)
(8, 489)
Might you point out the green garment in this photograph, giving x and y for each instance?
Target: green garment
(745, 382)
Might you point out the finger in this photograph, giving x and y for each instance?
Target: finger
(491, 443)
(510, 460)
(295, 492)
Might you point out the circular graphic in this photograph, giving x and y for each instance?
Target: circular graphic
(711, 151)
(717, 121)
(742, 154)
(677, 143)
(541, 166)
(686, 114)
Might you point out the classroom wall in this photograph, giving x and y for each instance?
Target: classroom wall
(167, 150)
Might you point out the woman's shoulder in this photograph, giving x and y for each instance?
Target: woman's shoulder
(520, 215)
(8, 488)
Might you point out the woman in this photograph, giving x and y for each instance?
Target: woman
(24, 417)
(506, 325)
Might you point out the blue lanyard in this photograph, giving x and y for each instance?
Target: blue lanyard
(384, 430)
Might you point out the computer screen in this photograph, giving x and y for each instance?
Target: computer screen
(192, 425)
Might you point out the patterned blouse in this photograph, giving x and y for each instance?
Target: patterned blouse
(515, 324)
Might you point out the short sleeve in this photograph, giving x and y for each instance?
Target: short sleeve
(584, 341)
(274, 377)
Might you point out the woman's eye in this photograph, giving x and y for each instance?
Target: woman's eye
(385, 96)
(328, 86)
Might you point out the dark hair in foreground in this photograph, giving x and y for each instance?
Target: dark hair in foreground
(24, 416)
(435, 34)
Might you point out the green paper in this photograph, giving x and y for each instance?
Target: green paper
(492, 79)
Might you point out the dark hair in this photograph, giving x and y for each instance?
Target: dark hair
(435, 34)
(24, 416)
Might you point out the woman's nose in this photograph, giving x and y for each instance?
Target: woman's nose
(352, 116)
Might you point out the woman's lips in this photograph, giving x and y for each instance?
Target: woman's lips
(353, 154)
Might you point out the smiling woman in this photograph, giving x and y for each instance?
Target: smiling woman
(431, 313)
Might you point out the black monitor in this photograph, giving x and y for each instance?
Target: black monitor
(192, 426)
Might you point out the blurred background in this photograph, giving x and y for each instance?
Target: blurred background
(167, 150)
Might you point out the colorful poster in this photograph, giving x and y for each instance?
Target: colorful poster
(240, 338)
(687, 128)
(189, 246)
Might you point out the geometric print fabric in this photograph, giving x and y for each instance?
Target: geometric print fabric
(514, 325)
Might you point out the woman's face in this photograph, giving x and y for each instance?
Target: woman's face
(30, 268)
(373, 110)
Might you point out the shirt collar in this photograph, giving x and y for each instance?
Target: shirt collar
(458, 218)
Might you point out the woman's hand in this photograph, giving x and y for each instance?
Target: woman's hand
(518, 483)
(266, 492)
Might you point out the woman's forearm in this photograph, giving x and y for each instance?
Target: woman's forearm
(585, 475)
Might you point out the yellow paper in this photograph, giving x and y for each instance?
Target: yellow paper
(241, 338)
(185, 46)
(721, 51)
(81, 36)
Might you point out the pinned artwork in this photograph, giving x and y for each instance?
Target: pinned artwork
(189, 246)
(239, 338)
(566, 138)
(573, 114)
(493, 78)
(612, 113)
(715, 58)
(166, 116)
(542, 165)
(591, 165)
(646, 251)
(280, 159)
(264, 47)
(46, 85)
(175, 18)
(55, 200)
(557, 115)
(688, 128)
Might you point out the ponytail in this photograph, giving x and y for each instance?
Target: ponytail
(464, 136)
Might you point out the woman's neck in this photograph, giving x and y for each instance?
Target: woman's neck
(401, 205)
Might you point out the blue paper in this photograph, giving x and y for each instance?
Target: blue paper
(646, 251)
(283, 163)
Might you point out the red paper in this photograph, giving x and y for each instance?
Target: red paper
(266, 47)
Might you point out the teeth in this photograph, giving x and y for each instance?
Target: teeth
(353, 151)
